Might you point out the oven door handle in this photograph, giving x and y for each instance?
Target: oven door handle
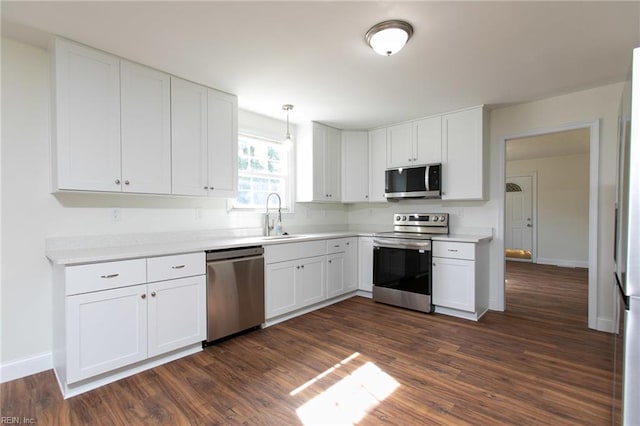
(402, 244)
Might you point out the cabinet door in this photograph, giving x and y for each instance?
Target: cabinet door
(365, 263)
(462, 155)
(188, 138)
(310, 281)
(377, 164)
(319, 142)
(351, 265)
(105, 330)
(86, 145)
(177, 314)
(335, 274)
(280, 288)
(400, 151)
(146, 129)
(355, 167)
(223, 144)
(332, 165)
(454, 283)
(428, 137)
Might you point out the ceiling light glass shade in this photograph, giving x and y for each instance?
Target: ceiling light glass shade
(387, 38)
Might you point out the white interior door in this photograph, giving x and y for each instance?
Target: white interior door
(519, 218)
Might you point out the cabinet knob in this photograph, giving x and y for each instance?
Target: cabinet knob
(329, 261)
(415, 159)
(298, 267)
(366, 196)
(153, 294)
(117, 181)
(302, 266)
(126, 182)
(206, 188)
(143, 296)
(178, 267)
(434, 264)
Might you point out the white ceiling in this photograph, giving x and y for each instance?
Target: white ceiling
(558, 144)
(313, 54)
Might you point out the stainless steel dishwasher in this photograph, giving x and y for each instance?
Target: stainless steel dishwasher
(235, 291)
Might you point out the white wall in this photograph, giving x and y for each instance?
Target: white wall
(581, 107)
(30, 214)
(562, 207)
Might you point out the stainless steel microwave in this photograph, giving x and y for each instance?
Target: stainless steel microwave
(413, 182)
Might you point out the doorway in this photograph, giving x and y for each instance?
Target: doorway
(543, 250)
(520, 202)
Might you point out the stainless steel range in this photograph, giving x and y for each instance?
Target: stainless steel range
(402, 260)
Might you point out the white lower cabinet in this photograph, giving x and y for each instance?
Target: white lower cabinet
(294, 284)
(365, 264)
(109, 321)
(176, 314)
(105, 330)
(460, 278)
(302, 274)
(454, 283)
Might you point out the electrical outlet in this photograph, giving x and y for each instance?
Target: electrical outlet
(115, 214)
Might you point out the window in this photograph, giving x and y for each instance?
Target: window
(264, 166)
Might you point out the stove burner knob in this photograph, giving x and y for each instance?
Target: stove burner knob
(404, 218)
(435, 218)
(397, 217)
(442, 219)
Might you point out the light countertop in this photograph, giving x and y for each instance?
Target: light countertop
(121, 252)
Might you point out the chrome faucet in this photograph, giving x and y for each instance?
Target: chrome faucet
(268, 227)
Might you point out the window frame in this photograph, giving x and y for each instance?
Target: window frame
(290, 193)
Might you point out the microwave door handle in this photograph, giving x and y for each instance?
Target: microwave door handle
(426, 179)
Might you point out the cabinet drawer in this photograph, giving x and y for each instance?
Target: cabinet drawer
(175, 266)
(290, 251)
(454, 250)
(340, 245)
(104, 276)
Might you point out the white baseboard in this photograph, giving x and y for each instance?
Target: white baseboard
(605, 324)
(25, 367)
(563, 263)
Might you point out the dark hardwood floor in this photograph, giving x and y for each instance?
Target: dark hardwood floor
(367, 363)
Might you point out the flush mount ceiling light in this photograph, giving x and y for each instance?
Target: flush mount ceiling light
(287, 136)
(388, 37)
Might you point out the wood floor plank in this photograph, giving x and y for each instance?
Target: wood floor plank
(362, 362)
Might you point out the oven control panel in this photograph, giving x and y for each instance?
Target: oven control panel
(421, 219)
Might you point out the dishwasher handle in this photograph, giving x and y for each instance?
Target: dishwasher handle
(235, 253)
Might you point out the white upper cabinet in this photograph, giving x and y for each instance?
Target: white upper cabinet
(189, 138)
(414, 143)
(377, 164)
(318, 164)
(355, 167)
(222, 140)
(123, 127)
(428, 140)
(400, 149)
(464, 155)
(204, 140)
(86, 119)
(145, 129)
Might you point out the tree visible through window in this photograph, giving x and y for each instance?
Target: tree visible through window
(263, 167)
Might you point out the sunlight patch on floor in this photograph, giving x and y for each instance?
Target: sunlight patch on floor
(349, 400)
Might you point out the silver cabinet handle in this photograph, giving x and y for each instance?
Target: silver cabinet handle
(452, 250)
(153, 294)
(109, 276)
(337, 245)
(117, 181)
(177, 267)
(143, 296)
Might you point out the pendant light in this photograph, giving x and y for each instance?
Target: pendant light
(287, 136)
(388, 37)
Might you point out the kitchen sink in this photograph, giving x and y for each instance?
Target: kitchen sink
(279, 237)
